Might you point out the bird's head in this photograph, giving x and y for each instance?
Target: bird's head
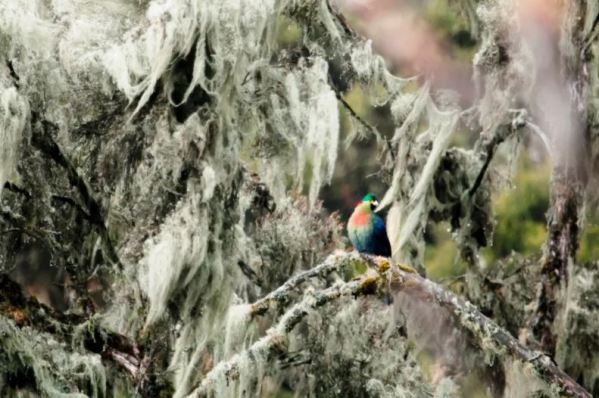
(370, 200)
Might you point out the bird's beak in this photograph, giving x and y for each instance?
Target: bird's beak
(376, 203)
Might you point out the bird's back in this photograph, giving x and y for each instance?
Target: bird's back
(380, 241)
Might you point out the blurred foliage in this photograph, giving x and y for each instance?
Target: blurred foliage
(358, 162)
(452, 26)
(442, 258)
(288, 31)
(520, 212)
(520, 217)
(589, 250)
(520, 209)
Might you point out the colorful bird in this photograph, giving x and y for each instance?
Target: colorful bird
(366, 229)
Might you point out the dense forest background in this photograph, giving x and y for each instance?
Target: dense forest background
(176, 175)
(520, 207)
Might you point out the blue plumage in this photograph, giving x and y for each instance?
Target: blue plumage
(379, 241)
(366, 229)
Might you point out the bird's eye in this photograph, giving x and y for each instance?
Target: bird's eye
(374, 204)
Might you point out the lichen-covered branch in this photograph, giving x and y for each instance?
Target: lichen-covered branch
(570, 166)
(385, 277)
(164, 159)
(70, 328)
(560, 251)
(487, 333)
(275, 341)
(492, 337)
(333, 263)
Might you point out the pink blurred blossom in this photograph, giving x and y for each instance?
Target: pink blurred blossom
(404, 38)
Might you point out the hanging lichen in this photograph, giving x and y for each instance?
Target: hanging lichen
(170, 153)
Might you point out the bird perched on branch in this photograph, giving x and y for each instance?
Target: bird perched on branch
(366, 229)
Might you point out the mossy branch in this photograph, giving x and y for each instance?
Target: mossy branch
(43, 140)
(385, 277)
(28, 312)
(335, 262)
(275, 342)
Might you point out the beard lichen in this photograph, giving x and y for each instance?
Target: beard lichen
(215, 104)
(37, 363)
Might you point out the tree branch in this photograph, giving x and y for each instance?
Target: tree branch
(568, 181)
(386, 278)
(44, 142)
(275, 342)
(490, 146)
(488, 332)
(280, 295)
(29, 312)
(560, 248)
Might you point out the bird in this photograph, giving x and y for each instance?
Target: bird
(366, 229)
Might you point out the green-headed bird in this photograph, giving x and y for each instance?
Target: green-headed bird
(366, 229)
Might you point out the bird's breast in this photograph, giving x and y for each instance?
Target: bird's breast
(359, 219)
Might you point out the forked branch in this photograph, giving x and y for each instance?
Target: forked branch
(384, 277)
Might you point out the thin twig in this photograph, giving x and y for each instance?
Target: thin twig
(500, 135)
(481, 174)
(373, 130)
(341, 19)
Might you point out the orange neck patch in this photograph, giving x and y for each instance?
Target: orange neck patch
(360, 217)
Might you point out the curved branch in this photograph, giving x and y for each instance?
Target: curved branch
(280, 295)
(275, 342)
(42, 140)
(499, 339)
(387, 278)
